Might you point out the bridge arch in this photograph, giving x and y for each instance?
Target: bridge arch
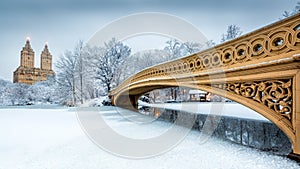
(132, 94)
(260, 70)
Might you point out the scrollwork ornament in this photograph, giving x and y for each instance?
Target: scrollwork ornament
(274, 94)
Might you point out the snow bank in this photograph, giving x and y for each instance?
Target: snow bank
(230, 109)
(53, 139)
(97, 102)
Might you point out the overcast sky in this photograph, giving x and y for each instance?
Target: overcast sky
(62, 23)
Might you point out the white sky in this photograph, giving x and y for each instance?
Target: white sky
(62, 23)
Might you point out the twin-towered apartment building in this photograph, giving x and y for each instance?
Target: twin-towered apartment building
(26, 72)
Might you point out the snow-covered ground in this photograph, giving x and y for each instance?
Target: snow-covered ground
(53, 139)
(94, 102)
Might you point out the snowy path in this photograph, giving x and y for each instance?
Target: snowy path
(53, 139)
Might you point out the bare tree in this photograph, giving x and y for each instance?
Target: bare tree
(294, 11)
(233, 32)
(286, 14)
(297, 7)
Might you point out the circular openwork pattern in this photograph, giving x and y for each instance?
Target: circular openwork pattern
(227, 56)
(216, 59)
(266, 43)
(198, 63)
(176, 68)
(192, 65)
(241, 52)
(180, 67)
(207, 61)
(258, 47)
(185, 66)
(294, 37)
(279, 40)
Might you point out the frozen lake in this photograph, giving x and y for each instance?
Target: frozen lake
(53, 139)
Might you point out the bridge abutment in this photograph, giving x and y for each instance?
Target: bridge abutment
(127, 101)
(295, 157)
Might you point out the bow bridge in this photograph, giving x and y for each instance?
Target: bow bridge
(260, 70)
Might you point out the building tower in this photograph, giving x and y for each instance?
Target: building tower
(27, 56)
(26, 73)
(46, 59)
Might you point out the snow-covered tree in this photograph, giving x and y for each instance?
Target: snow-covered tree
(76, 73)
(188, 48)
(147, 59)
(110, 58)
(22, 94)
(233, 31)
(3, 92)
(66, 76)
(173, 49)
(88, 64)
(16, 93)
(80, 68)
(209, 44)
(45, 92)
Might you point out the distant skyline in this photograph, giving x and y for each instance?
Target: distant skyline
(62, 23)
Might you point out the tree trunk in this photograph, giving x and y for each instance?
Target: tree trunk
(81, 92)
(81, 80)
(108, 88)
(81, 88)
(74, 92)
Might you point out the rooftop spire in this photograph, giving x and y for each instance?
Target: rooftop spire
(27, 45)
(46, 50)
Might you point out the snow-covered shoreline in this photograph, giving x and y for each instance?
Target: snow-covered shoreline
(52, 138)
(215, 108)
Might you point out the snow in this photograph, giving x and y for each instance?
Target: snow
(230, 109)
(197, 92)
(39, 138)
(94, 102)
